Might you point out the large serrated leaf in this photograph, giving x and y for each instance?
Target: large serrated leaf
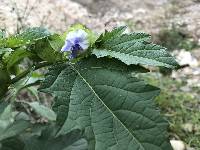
(28, 36)
(115, 110)
(134, 48)
(61, 102)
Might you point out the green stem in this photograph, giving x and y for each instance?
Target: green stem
(23, 74)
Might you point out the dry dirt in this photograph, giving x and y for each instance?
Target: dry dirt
(145, 15)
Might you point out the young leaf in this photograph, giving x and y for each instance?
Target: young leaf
(9, 128)
(6, 118)
(11, 144)
(14, 129)
(43, 111)
(4, 50)
(33, 90)
(17, 56)
(3, 105)
(45, 51)
(43, 138)
(70, 141)
(4, 81)
(134, 48)
(109, 35)
(115, 110)
(28, 36)
(56, 42)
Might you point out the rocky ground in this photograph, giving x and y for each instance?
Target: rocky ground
(146, 15)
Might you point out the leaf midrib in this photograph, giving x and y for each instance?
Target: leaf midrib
(105, 104)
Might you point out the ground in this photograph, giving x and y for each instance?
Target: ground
(172, 23)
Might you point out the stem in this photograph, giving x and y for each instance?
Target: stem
(23, 74)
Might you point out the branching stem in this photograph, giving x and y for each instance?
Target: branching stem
(23, 74)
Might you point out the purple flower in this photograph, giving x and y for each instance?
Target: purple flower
(76, 42)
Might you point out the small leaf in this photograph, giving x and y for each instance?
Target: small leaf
(14, 129)
(56, 42)
(3, 105)
(9, 127)
(134, 48)
(47, 140)
(28, 36)
(17, 56)
(6, 118)
(43, 111)
(114, 33)
(34, 92)
(4, 50)
(43, 48)
(12, 144)
(4, 81)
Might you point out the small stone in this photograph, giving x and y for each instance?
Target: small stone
(188, 127)
(178, 145)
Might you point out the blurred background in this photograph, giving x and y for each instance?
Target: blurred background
(174, 24)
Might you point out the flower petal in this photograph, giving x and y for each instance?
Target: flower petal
(84, 45)
(67, 47)
(82, 34)
(78, 35)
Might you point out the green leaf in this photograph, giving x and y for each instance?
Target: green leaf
(3, 105)
(25, 83)
(71, 141)
(6, 118)
(43, 48)
(4, 81)
(9, 127)
(61, 103)
(33, 90)
(115, 110)
(28, 36)
(43, 111)
(134, 48)
(56, 42)
(14, 129)
(43, 138)
(17, 56)
(109, 35)
(4, 50)
(47, 140)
